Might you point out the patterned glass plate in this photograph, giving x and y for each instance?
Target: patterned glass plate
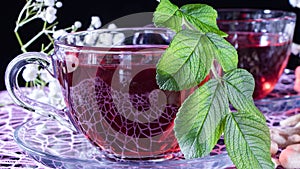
(55, 146)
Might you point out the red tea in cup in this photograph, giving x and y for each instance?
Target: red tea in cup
(113, 97)
(263, 41)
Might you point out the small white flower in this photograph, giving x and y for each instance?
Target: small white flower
(96, 22)
(50, 14)
(118, 39)
(45, 76)
(36, 6)
(295, 3)
(54, 88)
(36, 94)
(42, 15)
(90, 38)
(30, 72)
(74, 40)
(58, 4)
(77, 24)
(59, 33)
(105, 39)
(90, 28)
(112, 26)
(49, 2)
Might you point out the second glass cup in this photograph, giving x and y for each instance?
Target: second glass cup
(263, 40)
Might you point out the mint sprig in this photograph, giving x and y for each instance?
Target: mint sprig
(206, 115)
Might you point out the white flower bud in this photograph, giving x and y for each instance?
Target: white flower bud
(54, 88)
(59, 33)
(90, 28)
(118, 39)
(105, 39)
(50, 14)
(58, 4)
(45, 76)
(77, 24)
(295, 3)
(96, 22)
(30, 72)
(90, 39)
(42, 15)
(112, 26)
(49, 2)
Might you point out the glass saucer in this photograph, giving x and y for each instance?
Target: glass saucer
(55, 146)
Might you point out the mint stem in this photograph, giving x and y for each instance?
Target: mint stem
(215, 72)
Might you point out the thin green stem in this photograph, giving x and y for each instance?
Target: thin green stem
(45, 48)
(21, 14)
(33, 39)
(20, 41)
(27, 21)
(30, 11)
(51, 26)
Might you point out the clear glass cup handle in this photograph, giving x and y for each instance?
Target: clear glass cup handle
(19, 97)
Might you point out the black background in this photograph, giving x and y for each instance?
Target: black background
(109, 10)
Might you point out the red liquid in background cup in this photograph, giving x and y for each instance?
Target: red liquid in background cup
(120, 108)
(265, 56)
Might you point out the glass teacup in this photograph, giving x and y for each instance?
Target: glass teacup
(263, 41)
(108, 81)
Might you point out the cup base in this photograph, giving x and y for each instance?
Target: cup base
(158, 158)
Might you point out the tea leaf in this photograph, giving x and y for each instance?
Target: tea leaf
(239, 84)
(226, 54)
(198, 124)
(168, 15)
(186, 62)
(203, 17)
(247, 141)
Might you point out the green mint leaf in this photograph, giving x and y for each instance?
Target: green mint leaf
(247, 141)
(168, 15)
(186, 62)
(199, 122)
(205, 113)
(203, 17)
(226, 54)
(239, 84)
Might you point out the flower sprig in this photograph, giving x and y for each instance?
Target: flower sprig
(45, 11)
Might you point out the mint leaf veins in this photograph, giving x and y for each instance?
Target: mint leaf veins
(206, 114)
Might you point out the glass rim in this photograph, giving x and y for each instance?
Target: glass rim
(61, 41)
(285, 15)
